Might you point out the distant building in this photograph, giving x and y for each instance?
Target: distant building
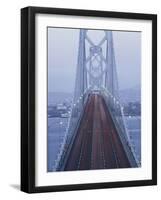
(132, 109)
(59, 110)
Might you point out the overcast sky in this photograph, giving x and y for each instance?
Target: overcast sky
(63, 51)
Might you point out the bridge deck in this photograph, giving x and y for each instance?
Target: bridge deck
(97, 144)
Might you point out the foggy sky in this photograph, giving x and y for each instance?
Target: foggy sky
(63, 51)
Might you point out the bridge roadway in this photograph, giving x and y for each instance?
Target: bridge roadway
(97, 144)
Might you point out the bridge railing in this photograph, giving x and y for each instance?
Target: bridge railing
(71, 130)
(116, 111)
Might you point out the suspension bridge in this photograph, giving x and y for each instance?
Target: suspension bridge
(96, 137)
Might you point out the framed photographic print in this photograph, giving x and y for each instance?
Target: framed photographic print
(88, 99)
